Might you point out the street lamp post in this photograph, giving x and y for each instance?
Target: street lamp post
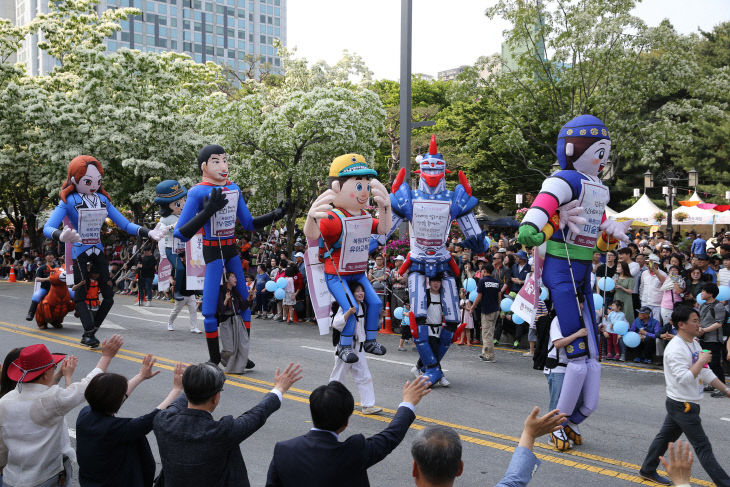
(671, 175)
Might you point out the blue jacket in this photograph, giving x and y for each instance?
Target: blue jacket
(652, 327)
(70, 208)
(522, 467)
(194, 205)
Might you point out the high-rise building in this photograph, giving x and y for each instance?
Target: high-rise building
(227, 32)
(451, 74)
(7, 11)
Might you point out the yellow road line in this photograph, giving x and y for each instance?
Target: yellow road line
(125, 355)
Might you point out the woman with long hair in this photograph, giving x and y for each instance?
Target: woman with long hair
(624, 289)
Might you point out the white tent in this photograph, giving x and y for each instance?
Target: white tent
(642, 211)
(695, 215)
(610, 213)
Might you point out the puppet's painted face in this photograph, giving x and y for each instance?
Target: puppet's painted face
(432, 170)
(90, 182)
(594, 159)
(353, 195)
(177, 206)
(215, 169)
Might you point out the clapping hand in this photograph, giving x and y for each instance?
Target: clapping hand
(679, 466)
(145, 372)
(67, 368)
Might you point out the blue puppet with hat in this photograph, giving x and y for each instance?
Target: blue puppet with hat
(171, 196)
(568, 215)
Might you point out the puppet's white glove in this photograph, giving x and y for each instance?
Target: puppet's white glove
(68, 234)
(570, 216)
(159, 231)
(616, 229)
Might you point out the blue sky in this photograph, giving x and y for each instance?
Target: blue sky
(446, 33)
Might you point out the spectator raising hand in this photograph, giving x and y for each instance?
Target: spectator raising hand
(679, 466)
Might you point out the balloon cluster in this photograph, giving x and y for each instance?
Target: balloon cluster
(277, 287)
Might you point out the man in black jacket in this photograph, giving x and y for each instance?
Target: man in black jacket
(196, 450)
(319, 458)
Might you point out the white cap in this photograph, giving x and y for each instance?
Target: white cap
(299, 254)
(400, 257)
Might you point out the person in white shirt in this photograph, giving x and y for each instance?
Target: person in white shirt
(650, 287)
(359, 370)
(35, 448)
(723, 275)
(685, 372)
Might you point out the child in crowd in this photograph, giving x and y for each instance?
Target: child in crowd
(614, 316)
(405, 330)
(466, 317)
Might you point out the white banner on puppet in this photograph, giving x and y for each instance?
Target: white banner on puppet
(593, 199)
(355, 243)
(90, 223)
(525, 304)
(164, 271)
(431, 222)
(223, 223)
(194, 263)
(318, 292)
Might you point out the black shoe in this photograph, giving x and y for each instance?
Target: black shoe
(250, 364)
(655, 477)
(213, 350)
(90, 341)
(718, 393)
(31, 311)
(708, 389)
(371, 346)
(347, 354)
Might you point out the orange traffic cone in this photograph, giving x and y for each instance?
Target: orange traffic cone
(11, 278)
(388, 328)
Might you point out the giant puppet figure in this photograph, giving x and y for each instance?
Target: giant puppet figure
(214, 205)
(344, 235)
(171, 195)
(569, 214)
(86, 206)
(431, 209)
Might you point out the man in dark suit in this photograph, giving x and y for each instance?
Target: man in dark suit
(319, 458)
(195, 449)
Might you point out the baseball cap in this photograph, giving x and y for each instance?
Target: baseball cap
(350, 165)
(299, 254)
(502, 250)
(400, 257)
(644, 310)
(703, 257)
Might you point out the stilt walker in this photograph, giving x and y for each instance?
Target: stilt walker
(215, 204)
(569, 213)
(87, 205)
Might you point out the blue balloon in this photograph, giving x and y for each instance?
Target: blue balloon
(281, 282)
(620, 327)
(506, 304)
(279, 293)
(517, 320)
(472, 296)
(398, 313)
(606, 284)
(470, 285)
(597, 301)
(632, 339)
(543, 293)
(271, 286)
(699, 299)
(724, 294)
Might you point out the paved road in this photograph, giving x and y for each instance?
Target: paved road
(486, 403)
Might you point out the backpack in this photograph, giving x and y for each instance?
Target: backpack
(324, 253)
(543, 345)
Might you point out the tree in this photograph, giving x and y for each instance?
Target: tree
(282, 138)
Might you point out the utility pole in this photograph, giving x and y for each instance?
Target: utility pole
(406, 23)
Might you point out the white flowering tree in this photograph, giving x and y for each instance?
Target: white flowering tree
(282, 139)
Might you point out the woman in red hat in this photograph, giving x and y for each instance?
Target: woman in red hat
(35, 449)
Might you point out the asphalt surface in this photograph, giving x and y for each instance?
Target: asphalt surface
(486, 402)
